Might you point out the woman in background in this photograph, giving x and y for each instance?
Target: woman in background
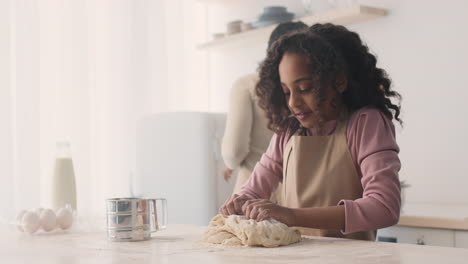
(246, 136)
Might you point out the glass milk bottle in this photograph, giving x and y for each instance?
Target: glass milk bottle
(63, 186)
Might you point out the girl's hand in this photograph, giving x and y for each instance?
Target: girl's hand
(261, 209)
(233, 205)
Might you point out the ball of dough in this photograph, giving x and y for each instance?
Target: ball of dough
(238, 230)
(30, 222)
(19, 220)
(48, 220)
(64, 218)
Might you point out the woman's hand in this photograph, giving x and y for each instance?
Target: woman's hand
(261, 209)
(227, 173)
(234, 205)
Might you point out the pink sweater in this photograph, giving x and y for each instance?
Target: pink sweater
(371, 141)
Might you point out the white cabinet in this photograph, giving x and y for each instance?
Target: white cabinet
(436, 224)
(421, 236)
(461, 239)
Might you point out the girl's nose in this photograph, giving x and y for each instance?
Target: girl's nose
(294, 100)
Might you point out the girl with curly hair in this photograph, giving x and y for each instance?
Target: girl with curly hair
(334, 153)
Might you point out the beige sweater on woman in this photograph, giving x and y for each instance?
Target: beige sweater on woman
(246, 136)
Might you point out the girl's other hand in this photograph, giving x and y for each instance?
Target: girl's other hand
(261, 209)
(234, 205)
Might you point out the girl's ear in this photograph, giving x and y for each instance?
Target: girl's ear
(341, 84)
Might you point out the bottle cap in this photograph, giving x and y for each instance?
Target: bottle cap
(63, 148)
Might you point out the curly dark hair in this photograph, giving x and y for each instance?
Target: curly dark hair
(332, 51)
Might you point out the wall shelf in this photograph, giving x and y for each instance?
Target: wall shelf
(218, 2)
(340, 16)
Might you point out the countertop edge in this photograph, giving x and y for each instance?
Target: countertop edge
(433, 222)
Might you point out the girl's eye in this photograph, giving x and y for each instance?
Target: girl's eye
(305, 89)
(287, 93)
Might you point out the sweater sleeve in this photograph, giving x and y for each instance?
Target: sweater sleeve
(236, 139)
(371, 139)
(268, 172)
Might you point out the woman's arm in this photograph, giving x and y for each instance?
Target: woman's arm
(236, 139)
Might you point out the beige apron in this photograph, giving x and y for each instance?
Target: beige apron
(318, 171)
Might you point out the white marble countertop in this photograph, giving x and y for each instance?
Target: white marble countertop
(181, 244)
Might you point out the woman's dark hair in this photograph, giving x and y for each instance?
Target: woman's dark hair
(333, 52)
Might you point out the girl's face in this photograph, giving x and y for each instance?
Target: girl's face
(301, 86)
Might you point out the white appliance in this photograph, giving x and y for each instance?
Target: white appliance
(178, 157)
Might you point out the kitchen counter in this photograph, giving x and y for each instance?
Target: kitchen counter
(181, 244)
(444, 216)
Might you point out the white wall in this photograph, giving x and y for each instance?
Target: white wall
(422, 45)
(225, 66)
(86, 71)
(6, 151)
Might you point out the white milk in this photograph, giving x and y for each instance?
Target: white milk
(63, 187)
